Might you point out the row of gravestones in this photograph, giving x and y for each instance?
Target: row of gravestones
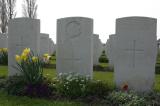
(46, 44)
(131, 51)
(25, 33)
(133, 55)
(97, 49)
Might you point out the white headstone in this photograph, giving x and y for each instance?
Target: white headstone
(108, 52)
(97, 49)
(136, 52)
(44, 44)
(22, 33)
(111, 49)
(52, 47)
(101, 47)
(3, 41)
(75, 45)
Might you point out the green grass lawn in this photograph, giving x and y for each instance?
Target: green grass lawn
(6, 100)
(105, 76)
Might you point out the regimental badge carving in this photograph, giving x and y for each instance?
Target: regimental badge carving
(73, 29)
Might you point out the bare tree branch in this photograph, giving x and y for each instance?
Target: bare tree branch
(3, 16)
(30, 8)
(11, 8)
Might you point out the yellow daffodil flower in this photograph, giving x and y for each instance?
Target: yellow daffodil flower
(4, 49)
(26, 51)
(18, 58)
(24, 56)
(46, 55)
(34, 59)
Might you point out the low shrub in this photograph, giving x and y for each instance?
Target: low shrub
(53, 54)
(97, 89)
(2, 83)
(103, 59)
(101, 68)
(16, 85)
(157, 69)
(126, 99)
(71, 85)
(38, 90)
(153, 98)
(49, 66)
(3, 56)
(98, 68)
(52, 58)
(76, 86)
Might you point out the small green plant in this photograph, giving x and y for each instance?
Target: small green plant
(126, 99)
(72, 85)
(103, 58)
(152, 98)
(3, 56)
(76, 86)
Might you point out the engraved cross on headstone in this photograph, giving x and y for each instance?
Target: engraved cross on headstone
(134, 51)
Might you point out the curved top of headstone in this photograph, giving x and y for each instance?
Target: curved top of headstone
(51, 40)
(136, 17)
(74, 27)
(44, 35)
(75, 18)
(23, 19)
(135, 23)
(96, 36)
(112, 35)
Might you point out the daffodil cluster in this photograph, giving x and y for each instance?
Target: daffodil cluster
(46, 58)
(26, 56)
(30, 66)
(3, 50)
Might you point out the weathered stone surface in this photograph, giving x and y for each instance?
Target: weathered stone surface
(22, 33)
(136, 52)
(75, 45)
(52, 47)
(111, 47)
(97, 49)
(44, 44)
